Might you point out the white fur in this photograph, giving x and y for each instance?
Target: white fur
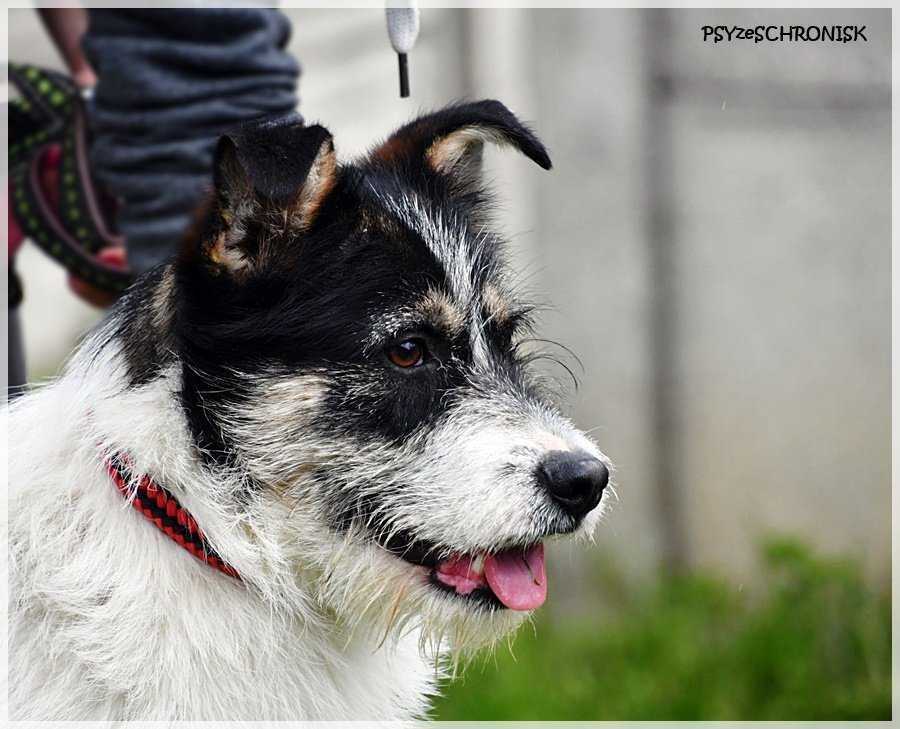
(109, 619)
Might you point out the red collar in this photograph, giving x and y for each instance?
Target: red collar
(162, 509)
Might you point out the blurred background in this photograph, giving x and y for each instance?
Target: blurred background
(714, 239)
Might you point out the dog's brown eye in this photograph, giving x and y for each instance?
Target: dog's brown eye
(408, 353)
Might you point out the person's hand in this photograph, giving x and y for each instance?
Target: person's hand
(102, 298)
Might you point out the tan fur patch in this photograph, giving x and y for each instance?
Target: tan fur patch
(442, 312)
(447, 152)
(496, 303)
(319, 183)
(225, 253)
(286, 486)
(392, 150)
(161, 300)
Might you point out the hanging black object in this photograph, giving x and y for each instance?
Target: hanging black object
(403, 28)
(403, 67)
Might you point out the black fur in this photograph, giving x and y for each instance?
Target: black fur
(276, 156)
(146, 342)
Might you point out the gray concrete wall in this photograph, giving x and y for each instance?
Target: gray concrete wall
(714, 238)
(782, 190)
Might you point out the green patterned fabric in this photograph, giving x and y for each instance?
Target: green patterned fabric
(48, 112)
(40, 115)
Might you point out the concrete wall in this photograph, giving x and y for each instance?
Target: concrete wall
(714, 237)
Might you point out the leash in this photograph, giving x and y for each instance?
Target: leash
(162, 510)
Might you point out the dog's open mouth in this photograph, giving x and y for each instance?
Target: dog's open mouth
(516, 577)
(513, 578)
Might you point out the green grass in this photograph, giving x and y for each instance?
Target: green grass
(814, 644)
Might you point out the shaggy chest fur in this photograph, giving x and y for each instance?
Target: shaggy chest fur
(109, 619)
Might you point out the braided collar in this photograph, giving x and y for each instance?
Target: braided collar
(162, 510)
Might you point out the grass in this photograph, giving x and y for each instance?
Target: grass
(814, 644)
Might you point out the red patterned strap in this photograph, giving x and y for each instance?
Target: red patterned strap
(163, 510)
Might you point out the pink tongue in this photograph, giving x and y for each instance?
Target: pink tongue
(517, 578)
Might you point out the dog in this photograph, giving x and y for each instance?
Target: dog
(306, 460)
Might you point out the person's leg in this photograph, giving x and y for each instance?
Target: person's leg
(16, 374)
(169, 83)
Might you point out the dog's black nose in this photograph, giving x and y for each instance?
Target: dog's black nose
(574, 480)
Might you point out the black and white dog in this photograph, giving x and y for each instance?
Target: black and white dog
(340, 466)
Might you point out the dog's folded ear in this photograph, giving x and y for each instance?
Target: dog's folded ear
(450, 141)
(271, 179)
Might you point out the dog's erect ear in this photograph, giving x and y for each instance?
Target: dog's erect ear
(450, 141)
(271, 179)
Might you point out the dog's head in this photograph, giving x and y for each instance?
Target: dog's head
(350, 341)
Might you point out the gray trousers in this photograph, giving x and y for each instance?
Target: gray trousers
(16, 375)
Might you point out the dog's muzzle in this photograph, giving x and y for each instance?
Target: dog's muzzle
(513, 577)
